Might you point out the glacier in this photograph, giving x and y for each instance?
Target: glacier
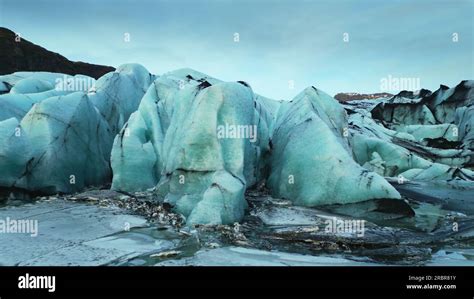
(59, 140)
(417, 136)
(311, 161)
(199, 143)
(171, 143)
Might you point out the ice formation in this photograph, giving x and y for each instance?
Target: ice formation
(200, 143)
(60, 139)
(311, 162)
(172, 142)
(423, 136)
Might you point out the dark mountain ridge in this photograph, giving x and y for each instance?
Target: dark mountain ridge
(25, 56)
(353, 96)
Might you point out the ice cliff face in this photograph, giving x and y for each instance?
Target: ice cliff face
(174, 142)
(311, 162)
(57, 139)
(201, 143)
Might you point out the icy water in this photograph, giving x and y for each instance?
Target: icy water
(94, 230)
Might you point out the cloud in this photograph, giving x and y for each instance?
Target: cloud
(279, 40)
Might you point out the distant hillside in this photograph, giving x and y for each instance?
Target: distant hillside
(351, 96)
(26, 56)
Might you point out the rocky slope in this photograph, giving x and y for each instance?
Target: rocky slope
(26, 56)
(353, 96)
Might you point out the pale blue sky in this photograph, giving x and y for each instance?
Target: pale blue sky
(280, 40)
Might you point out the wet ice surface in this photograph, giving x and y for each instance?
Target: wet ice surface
(452, 257)
(240, 256)
(68, 234)
(457, 196)
(102, 227)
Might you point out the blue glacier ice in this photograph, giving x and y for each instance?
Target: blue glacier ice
(200, 143)
(172, 142)
(57, 139)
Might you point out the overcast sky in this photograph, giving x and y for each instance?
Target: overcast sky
(279, 41)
